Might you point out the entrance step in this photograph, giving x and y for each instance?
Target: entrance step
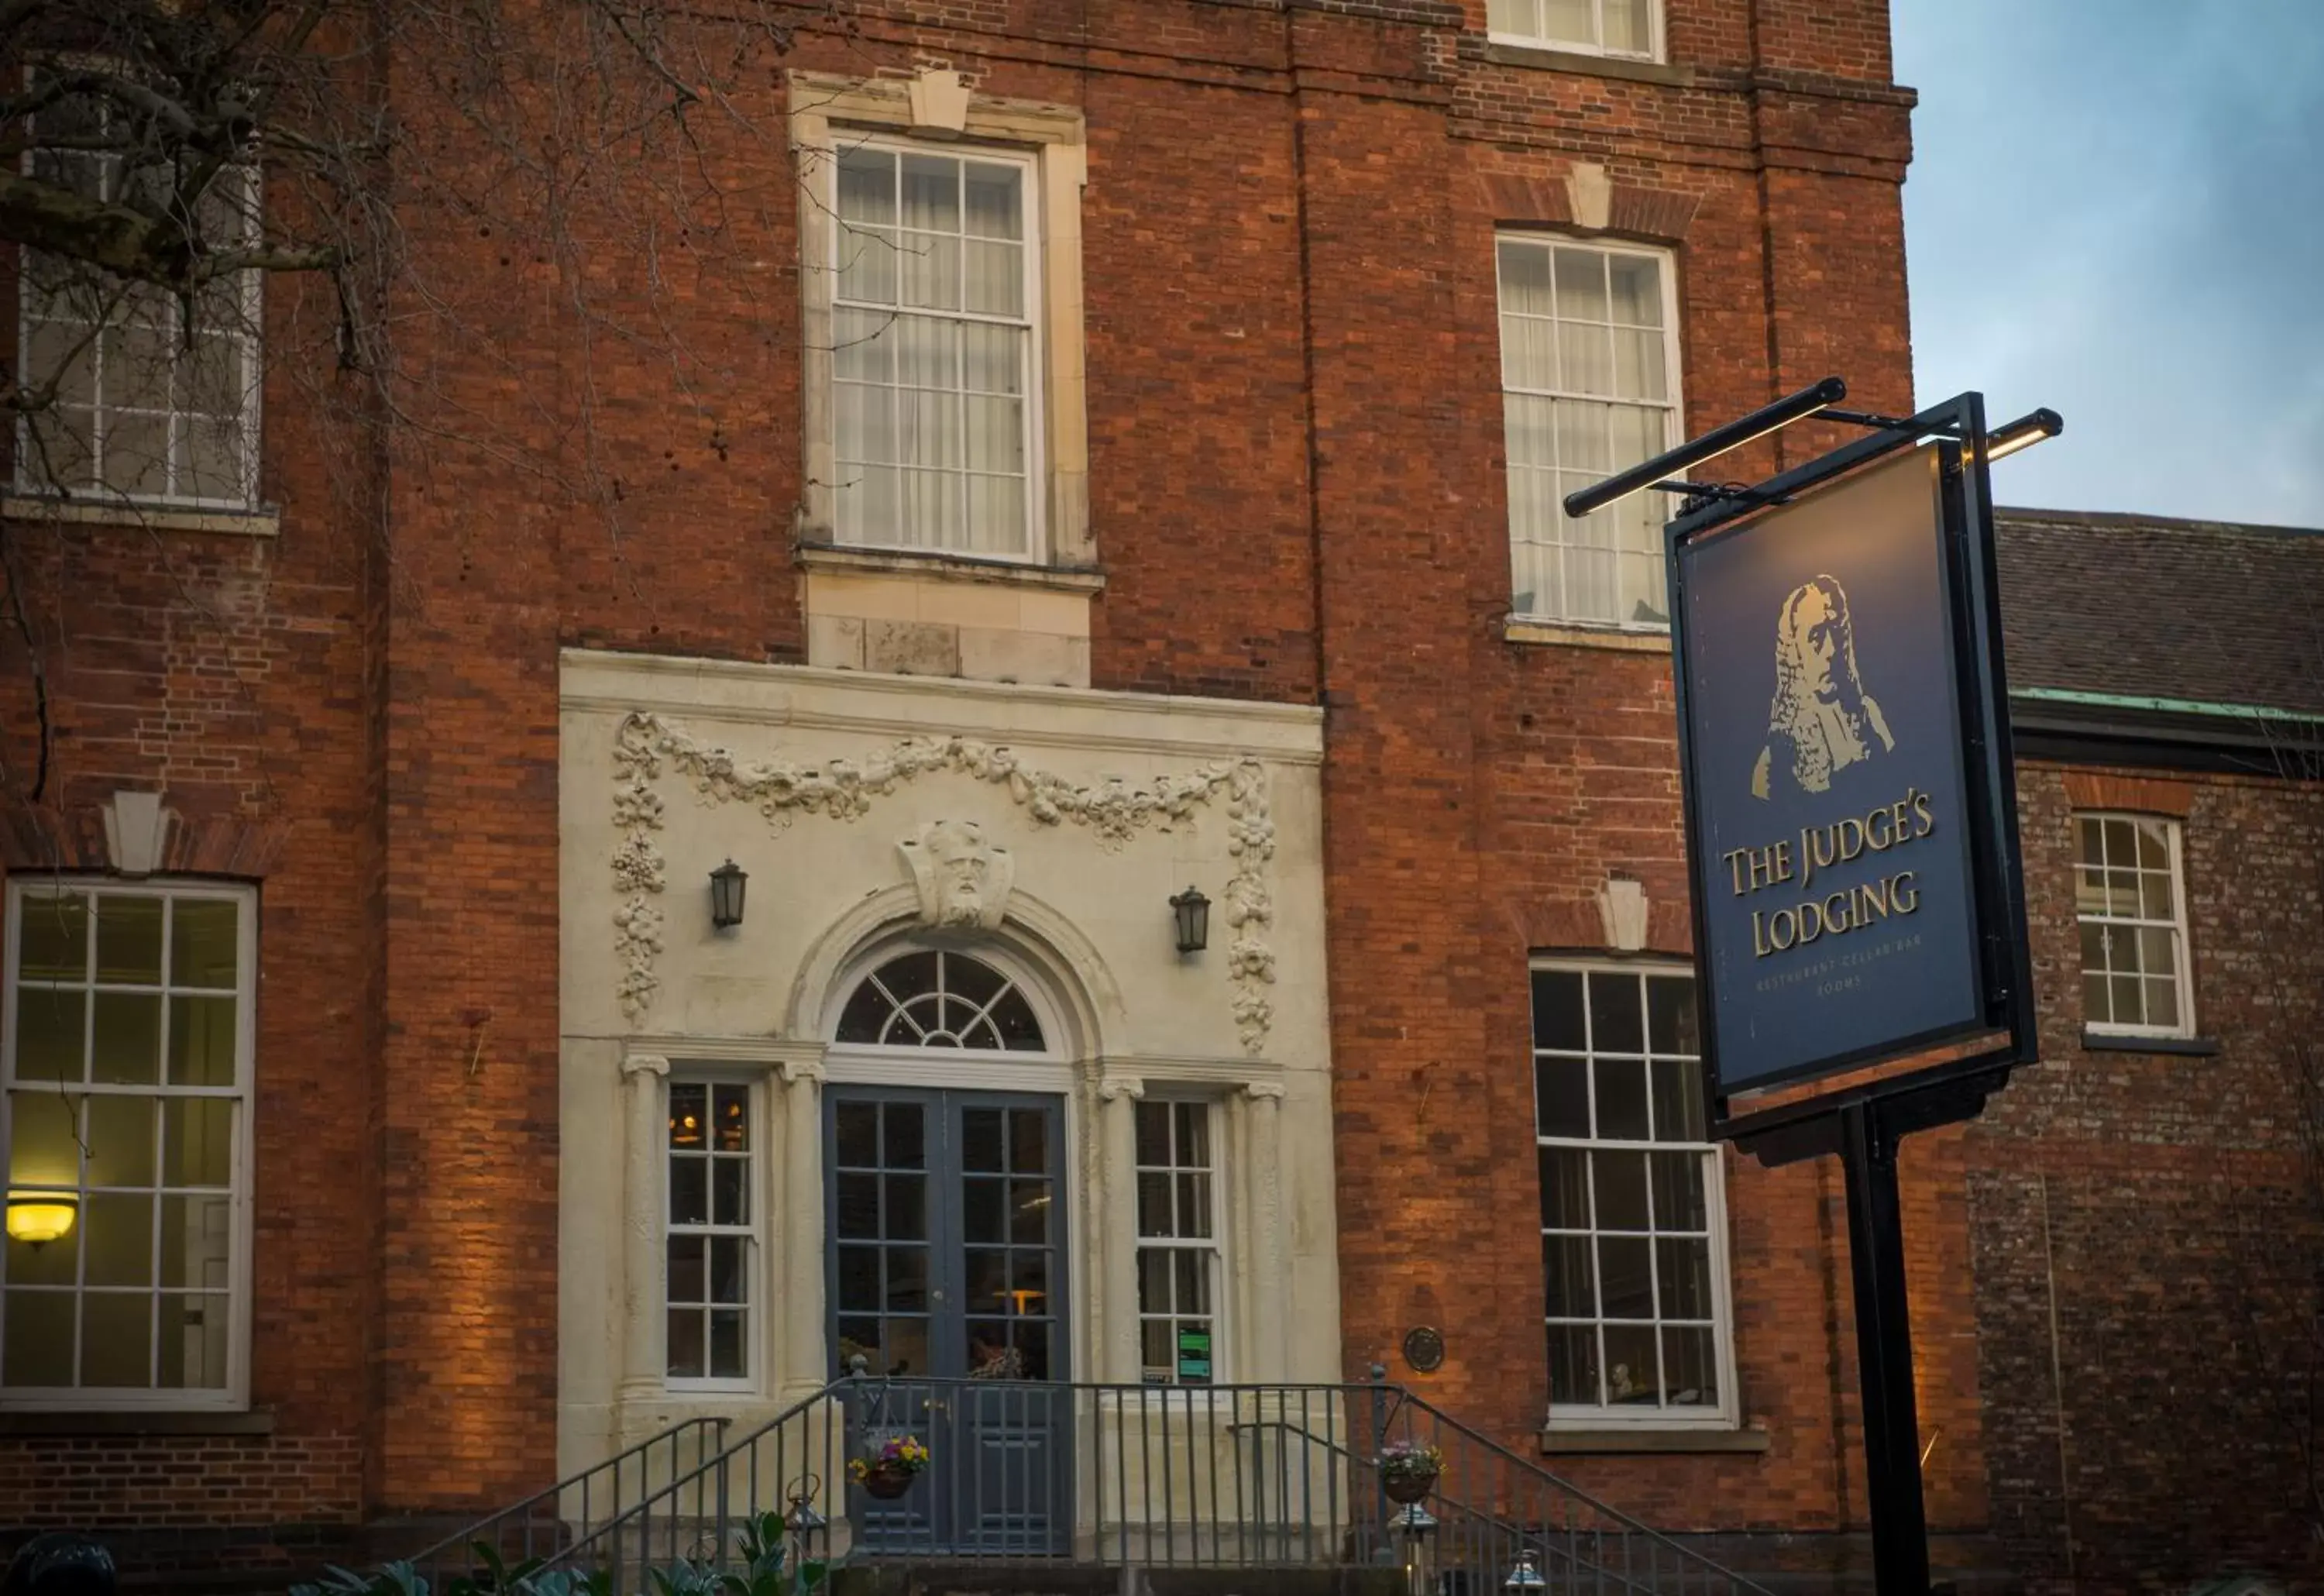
(940, 1579)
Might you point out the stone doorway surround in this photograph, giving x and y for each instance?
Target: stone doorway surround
(820, 783)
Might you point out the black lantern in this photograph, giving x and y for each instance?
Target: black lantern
(727, 884)
(1192, 912)
(807, 1528)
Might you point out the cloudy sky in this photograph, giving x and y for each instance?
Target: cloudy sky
(2117, 209)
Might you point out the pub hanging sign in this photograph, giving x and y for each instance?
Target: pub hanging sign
(1852, 845)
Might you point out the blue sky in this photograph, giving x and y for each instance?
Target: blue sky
(2116, 208)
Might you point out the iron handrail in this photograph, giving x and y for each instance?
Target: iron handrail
(488, 1529)
(640, 1513)
(1527, 1466)
(1125, 1481)
(1518, 1529)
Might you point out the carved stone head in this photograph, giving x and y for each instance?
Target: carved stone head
(963, 879)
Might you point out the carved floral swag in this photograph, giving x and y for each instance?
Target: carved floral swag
(843, 790)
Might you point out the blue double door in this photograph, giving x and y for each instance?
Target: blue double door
(946, 1277)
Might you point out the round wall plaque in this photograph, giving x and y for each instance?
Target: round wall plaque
(1423, 1349)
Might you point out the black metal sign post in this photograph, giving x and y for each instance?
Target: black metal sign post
(1883, 1350)
(1851, 831)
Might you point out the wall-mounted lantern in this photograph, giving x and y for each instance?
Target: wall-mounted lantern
(727, 884)
(1191, 911)
(36, 1218)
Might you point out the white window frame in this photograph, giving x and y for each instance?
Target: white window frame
(1036, 551)
(1674, 406)
(1655, 41)
(234, 1395)
(1212, 1247)
(2174, 836)
(757, 1279)
(1722, 1416)
(247, 342)
(830, 110)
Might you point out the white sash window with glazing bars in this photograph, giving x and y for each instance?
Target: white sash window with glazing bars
(1590, 385)
(1177, 1244)
(1599, 27)
(1633, 1242)
(933, 363)
(127, 1071)
(156, 395)
(712, 1237)
(2131, 903)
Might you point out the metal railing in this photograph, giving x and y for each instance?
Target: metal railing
(546, 1523)
(1127, 1476)
(795, 1460)
(1493, 1511)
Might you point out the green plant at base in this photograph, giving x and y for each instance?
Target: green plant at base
(764, 1574)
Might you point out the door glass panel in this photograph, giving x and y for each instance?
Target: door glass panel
(985, 1271)
(981, 1208)
(1015, 1343)
(1028, 1211)
(907, 1279)
(990, 1354)
(980, 1139)
(965, 1273)
(880, 1234)
(906, 1212)
(858, 1134)
(859, 1279)
(1029, 1133)
(904, 1132)
(1033, 1348)
(858, 1209)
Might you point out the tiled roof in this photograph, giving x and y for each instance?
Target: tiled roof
(2136, 606)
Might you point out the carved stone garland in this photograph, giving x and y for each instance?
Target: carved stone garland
(843, 790)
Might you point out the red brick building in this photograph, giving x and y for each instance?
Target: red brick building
(2144, 1205)
(1133, 448)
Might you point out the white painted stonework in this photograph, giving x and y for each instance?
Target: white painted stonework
(1052, 826)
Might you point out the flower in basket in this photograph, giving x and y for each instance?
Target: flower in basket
(1407, 1469)
(899, 1454)
(1410, 1460)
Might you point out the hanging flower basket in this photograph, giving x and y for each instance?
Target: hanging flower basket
(889, 1472)
(886, 1481)
(1408, 1470)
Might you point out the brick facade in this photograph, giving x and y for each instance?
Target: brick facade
(2144, 1224)
(1296, 494)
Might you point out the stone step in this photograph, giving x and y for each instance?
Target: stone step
(940, 1579)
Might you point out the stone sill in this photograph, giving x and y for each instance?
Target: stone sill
(2106, 1041)
(1615, 1440)
(132, 1421)
(265, 522)
(908, 562)
(1582, 61)
(1517, 630)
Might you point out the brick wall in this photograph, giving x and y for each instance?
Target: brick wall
(226, 672)
(1480, 792)
(2143, 1226)
(183, 1482)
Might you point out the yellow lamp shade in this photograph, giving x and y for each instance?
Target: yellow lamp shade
(39, 1218)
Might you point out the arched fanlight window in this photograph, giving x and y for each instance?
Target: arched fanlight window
(936, 999)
